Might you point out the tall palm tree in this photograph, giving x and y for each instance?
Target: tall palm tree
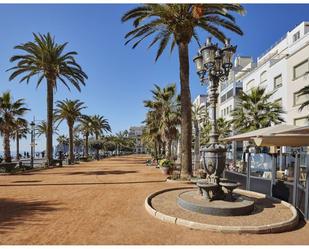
(151, 136)
(11, 113)
(20, 131)
(256, 111)
(165, 112)
(178, 23)
(100, 125)
(63, 141)
(302, 92)
(43, 58)
(78, 142)
(70, 111)
(199, 116)
(41, 128)
(86, 128)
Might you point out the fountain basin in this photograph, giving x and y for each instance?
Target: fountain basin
(192, 201)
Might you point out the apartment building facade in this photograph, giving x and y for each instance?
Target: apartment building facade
(136, 132)
(284, 69)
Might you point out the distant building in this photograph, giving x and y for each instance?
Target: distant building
(136, 133)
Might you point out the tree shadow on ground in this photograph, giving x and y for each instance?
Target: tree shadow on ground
(101, 172)
(15, 212)
(26, 181)
(79, 183)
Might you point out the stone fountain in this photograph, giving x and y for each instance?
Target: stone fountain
(215, 194)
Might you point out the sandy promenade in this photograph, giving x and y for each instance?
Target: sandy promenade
(101, 203)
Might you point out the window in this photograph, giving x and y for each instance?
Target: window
(227, 110)
(298, 100)
(229, 94)
(238, 91)
(250, 84)
(301, 121)
(230, 108)
(296, 36)
(263, 77)
(278, 81)
(301, 69)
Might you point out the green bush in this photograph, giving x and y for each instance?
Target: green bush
(165, 163)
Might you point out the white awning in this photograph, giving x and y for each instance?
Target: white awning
(292, 140)
(278, 135)
(268, 131)
(299, 130)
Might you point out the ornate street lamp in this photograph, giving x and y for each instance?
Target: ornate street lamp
(213, 65)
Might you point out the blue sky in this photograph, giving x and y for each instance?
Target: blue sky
(119, 78)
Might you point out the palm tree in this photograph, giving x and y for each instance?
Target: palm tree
(151, 136)
(63, 141)
(11, 113)
(70, 111)
(20, 131)
(303, 92)
(78, 142)
(86, 128)
(199, 116)
(41, 128)
(100, 125)
(165, 114)
(256, 111)
(45, 59)
(178, 23)
(224, 128)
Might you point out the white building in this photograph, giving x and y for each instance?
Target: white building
(136, 133)
(284, 69)
(200, 100)
(230, 89)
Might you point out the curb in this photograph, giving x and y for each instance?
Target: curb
(178, 181)
(270, 228)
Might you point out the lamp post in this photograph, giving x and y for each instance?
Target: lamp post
(32, 125)
(213, 65)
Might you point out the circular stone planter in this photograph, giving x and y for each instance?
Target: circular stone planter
(277, 216)
(178, 181)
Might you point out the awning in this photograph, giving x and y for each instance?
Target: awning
(268, 131)
(299, 130)
(278, 135)
(292, 140)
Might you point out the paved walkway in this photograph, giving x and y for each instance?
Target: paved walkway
(101, 203)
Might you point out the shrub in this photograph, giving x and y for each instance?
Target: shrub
(165, 163)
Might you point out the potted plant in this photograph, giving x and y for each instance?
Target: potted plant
(166, 166)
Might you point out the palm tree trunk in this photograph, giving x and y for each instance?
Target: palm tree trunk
(6, 145)
(186, 123)
(49, 132)
(169, 149)
(71, 144)
(86, 145)
(97, 150)
(155, 150)
(196, 146)
(17, 146)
